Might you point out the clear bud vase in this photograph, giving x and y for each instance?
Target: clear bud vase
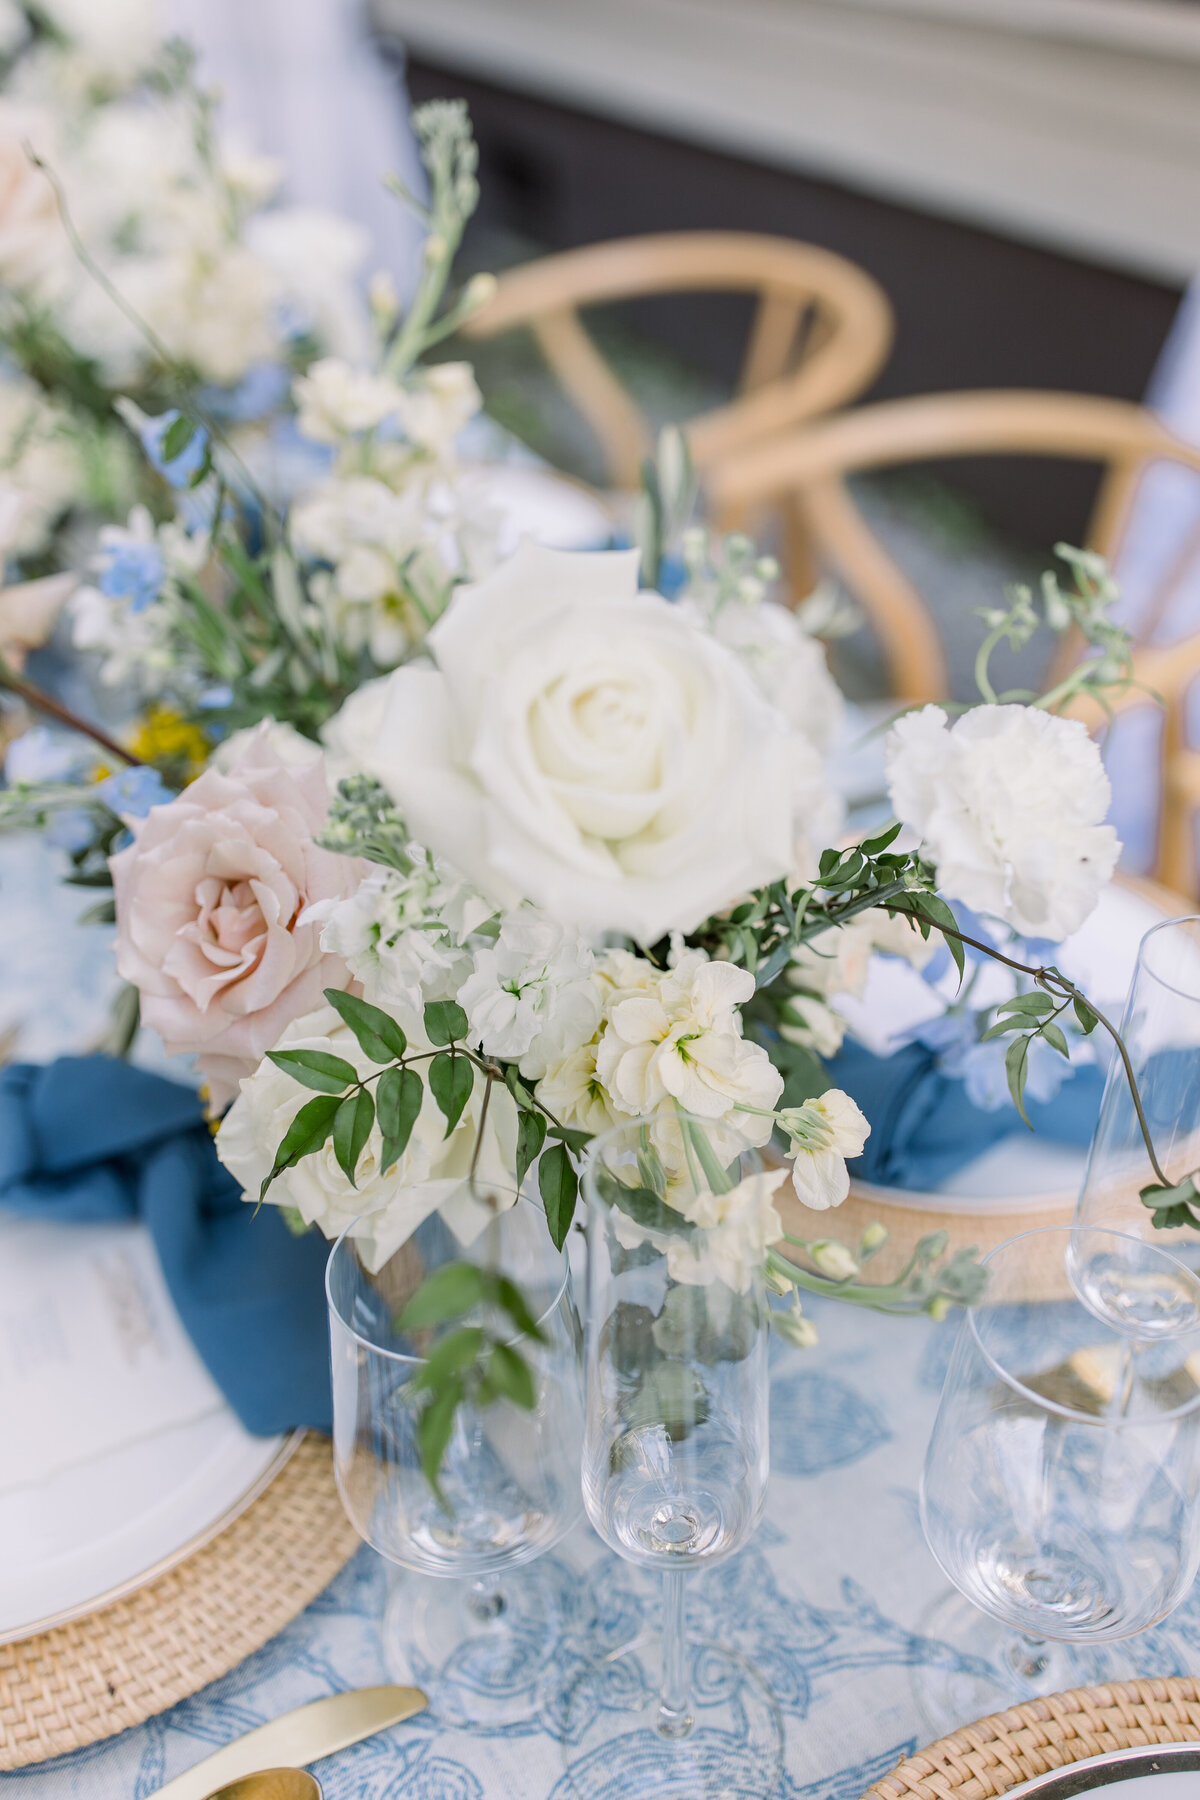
(675, 1457)
(1161, 1031)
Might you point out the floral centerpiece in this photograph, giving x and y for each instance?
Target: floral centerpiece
(452, 864)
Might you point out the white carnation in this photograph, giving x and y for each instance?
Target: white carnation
(1009, 802)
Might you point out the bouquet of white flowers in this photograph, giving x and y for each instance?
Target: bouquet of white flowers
(441, 866)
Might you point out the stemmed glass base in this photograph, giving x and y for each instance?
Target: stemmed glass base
(619, 1738)
(476, 1647)
(996, 1667)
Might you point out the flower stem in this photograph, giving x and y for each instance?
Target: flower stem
(33, 696)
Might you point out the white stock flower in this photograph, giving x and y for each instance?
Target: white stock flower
(335, 401)
(436, 403)
(532, 999)
(824, 1132)
(313, 259)
(1009, 802)
(402, 935)
(41, 471)
(812, 1024)
(735, 1231)
(581, 745)
(679, 1039)
(432, 1173)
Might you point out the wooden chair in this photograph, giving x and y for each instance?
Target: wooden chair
(810, 467)
(821, 333)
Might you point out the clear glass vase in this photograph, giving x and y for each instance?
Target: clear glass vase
(675, 1458)
(468, 1620)
(1161, 1030)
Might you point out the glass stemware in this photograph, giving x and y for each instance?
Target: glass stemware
(466, 1620)
(1061, 1492)
(675, 1458)
(1161, 1029)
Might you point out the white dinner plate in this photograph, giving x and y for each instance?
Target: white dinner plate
(1157, 1772)
(118, 1455)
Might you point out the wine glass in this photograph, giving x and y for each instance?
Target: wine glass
(1061, 1492)
(466, 1620)
(1161, 1030)
(675, 1457)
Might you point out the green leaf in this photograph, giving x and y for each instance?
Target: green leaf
(434, 1430)
(531, 1135)
(508, 1295)
(1053, 1035)
(673, 1396)
(1183, 1193)
(1027, 1005)
(307, 1132)
(1086, 1017)
(316, 1069)
(445, 1022)
(559, 1187)
(641, 1204)
(1001, 1026)
(510, 1375)
(451, 1079)
(448, 1293)
(351, 1128)
(576, 1141)
(176, 438)
(397, 1105)
(1016, 1058)
(934, 909)
(377, 1032)
(873, 846)
(456, 1352)
(516, 1087)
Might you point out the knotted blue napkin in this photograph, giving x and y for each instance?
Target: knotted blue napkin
(89, 1137)
(924, 1127)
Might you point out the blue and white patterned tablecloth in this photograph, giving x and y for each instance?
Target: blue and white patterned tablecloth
(826, 1599)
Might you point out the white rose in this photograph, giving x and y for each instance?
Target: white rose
(581, 745)
(786, 663)
(1009, 802)
(431, 1175)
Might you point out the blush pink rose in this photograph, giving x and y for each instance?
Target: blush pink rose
(210, 898)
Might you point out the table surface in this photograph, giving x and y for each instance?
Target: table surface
(827, 1598)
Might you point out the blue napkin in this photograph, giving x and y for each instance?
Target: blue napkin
(89, 1137)
(924, 1127)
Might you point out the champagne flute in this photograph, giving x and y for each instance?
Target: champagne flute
(675, 1457)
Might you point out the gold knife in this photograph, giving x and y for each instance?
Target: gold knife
(298, 1738)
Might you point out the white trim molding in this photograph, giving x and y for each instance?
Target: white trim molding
(1074, 124)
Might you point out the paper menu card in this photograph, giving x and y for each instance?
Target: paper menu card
(92, 1353)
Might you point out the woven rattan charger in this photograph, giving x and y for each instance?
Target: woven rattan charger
(997, 1754)
(97, 1675)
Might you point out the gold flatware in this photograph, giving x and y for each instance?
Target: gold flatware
(272, 1784)
(299, 1737)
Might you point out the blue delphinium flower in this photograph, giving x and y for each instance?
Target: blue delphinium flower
(190, 460)
(133, 570)
(132, 792)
